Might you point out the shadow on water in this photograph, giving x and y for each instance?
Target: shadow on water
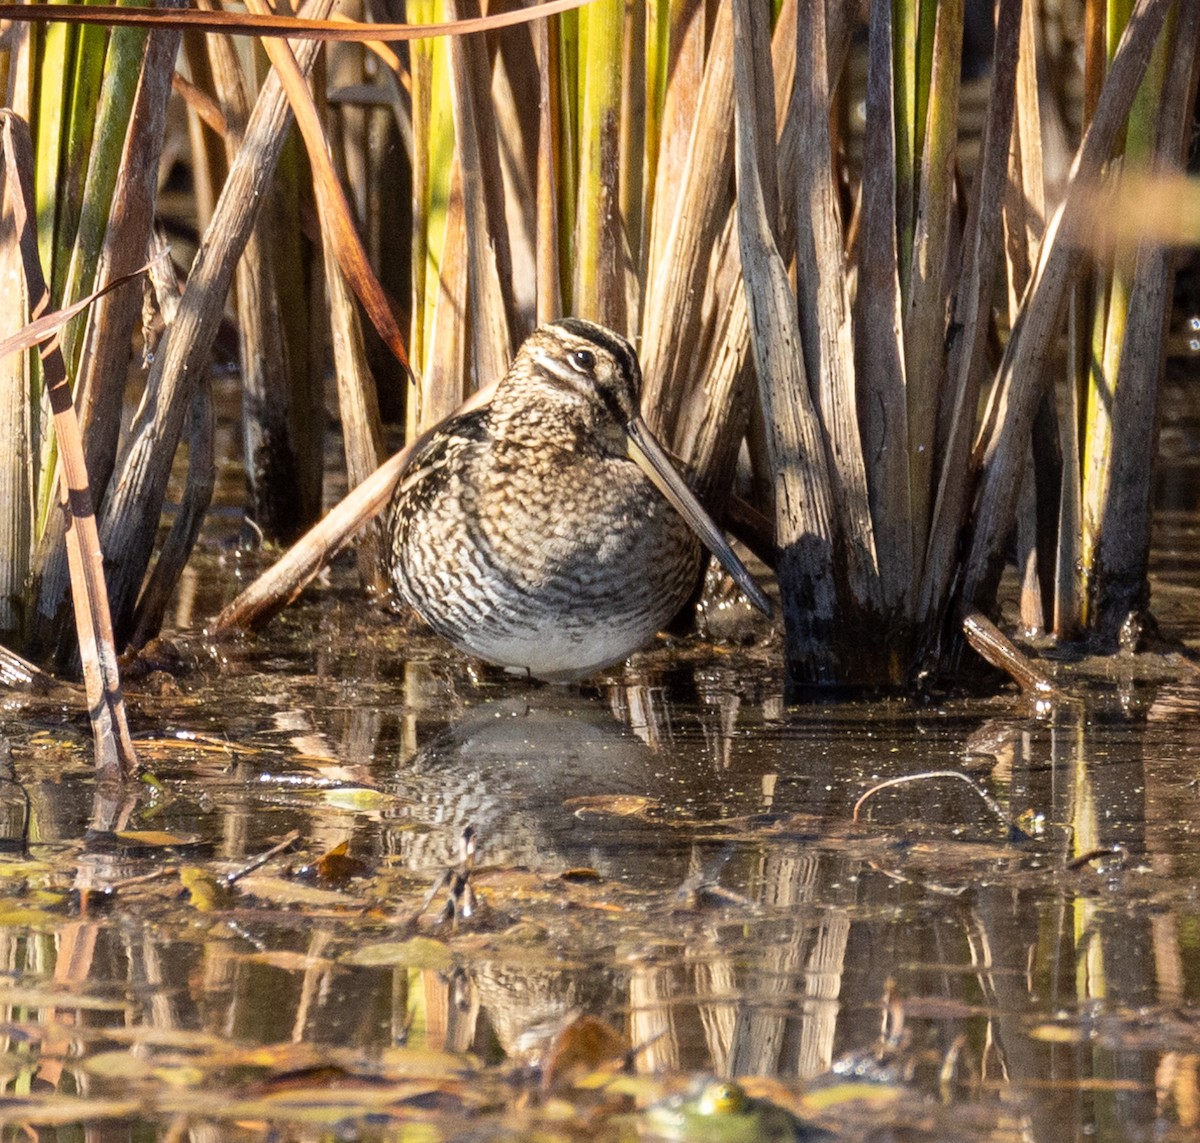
(672, 853)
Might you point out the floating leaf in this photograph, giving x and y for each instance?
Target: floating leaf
(13, 913)
(361, 799)
(288, 961)
(205, 891)
(180, 1075)
(426, 1062)
(838, 1094)
(419, 952)
(281, 891)
(118, 1065)
(178, 1039)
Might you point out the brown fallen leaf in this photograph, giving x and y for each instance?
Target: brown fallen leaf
(583, 1046)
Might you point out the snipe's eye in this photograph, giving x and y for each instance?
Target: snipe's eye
(583, 359)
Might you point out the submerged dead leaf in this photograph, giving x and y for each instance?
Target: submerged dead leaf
(335, 867)
(582, 876)
(132, 840)
(585, 1045)
(615, 805)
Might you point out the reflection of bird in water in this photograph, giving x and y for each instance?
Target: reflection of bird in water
(512, 771)
(547, 531)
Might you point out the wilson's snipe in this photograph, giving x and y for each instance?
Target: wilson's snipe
(547, 531)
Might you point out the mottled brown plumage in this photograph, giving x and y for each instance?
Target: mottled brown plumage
(529, 532)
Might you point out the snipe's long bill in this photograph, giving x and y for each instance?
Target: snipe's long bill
(547, 531)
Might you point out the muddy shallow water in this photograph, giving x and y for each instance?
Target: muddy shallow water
(671, 851)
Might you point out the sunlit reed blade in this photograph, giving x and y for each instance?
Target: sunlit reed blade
(654, 462)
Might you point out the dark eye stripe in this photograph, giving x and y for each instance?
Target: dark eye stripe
(612, 343)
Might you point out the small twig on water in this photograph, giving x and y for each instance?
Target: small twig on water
(926, 775)
(261, 860)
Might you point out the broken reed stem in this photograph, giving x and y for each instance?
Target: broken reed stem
(115, 756)
(996, 648)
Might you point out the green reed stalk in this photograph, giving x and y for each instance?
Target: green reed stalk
(905, 56)
(599, 268)
(569, 26)
(1110, 314)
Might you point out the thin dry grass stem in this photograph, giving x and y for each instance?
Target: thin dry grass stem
(516, 91)
(824, 304)
(901, 21)
(929, 776)
(1104, 378)
(16, 434)
(17, 673)
(421, 78)
(198, 485)
(492, 322)
(672, 312)
(631, 156)
(1124, 540)
(970, 318)
(130, 513)
(358, 406)
(207, 126)
(714, 416)
(49, 324)
(1068, 585)
(549, 285)
(272, 591)
(1023, 371)
(17, 414)
(269, 26)
(115, 756)
(803, 509)
(879, 356)
(1041, 517)
(201, 104)
(177, 547)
